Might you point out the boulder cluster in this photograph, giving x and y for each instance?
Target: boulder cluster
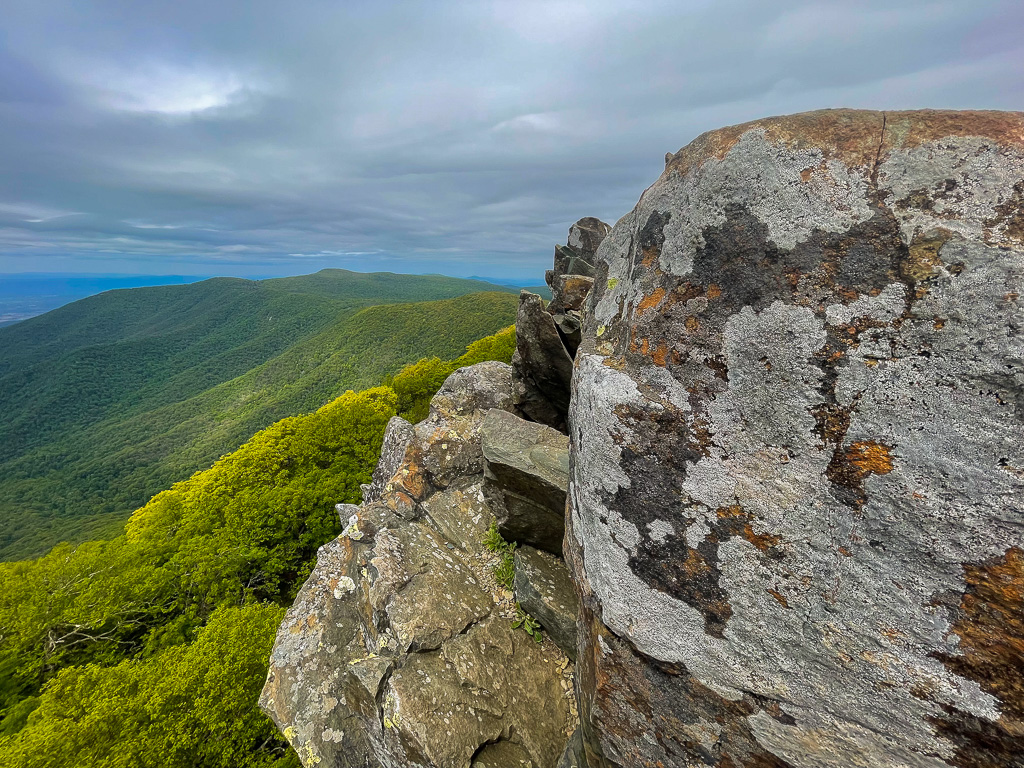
(403, 648)
(762, 458)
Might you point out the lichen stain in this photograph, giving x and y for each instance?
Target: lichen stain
(870, 458)
(850, 466)
(650, 302)
(990, 628)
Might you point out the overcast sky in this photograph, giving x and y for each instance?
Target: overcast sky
(263, 137)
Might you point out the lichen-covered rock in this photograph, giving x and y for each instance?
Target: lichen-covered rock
(399, 649)
(397, 436)
(541, 365)
(797, 488)
(544, 589)
(526, 476)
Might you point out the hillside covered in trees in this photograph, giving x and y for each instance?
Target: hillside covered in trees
(112, 398)
(150, 649)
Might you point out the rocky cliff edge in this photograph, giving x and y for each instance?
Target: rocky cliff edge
(792, 380)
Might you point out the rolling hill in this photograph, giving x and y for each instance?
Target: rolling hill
(107, 400)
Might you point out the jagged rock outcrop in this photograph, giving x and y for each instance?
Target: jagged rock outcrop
(526, 476)
(797, 434)
(400, 649)
(547, 337)
(795, 483)
(397, 436)
(541, 365)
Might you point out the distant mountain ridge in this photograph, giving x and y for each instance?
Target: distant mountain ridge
(113, 397)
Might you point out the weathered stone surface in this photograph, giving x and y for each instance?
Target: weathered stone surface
(399, 650)
(570, 328)
(569, 292)
(541, 366)
(569, 262)
(586, 236)
(797, 488)
(397, 436)
(525, 479)
(544, 589)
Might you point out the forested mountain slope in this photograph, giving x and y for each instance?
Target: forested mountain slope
(108, 400)
(150, 649)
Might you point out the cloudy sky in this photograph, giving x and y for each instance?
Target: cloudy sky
(266, 138)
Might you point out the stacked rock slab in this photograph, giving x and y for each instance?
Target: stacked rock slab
(547, 338)
(399, 650)
(526, 476)
(797, 435)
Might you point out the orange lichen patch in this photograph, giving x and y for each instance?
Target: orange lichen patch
(906, 130)
(845, 552)
(939, 324)
(659, 354)
(855, 136)
(762, 541)
(805, 174)
(870, 458)
(714, 291)
(850, 466)
(692, 324)
(779, 597)
(990, 652)
(410, 479)
(732, 511)
(652, 301)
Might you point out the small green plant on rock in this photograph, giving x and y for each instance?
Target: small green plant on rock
(504, 571)
(529, 624)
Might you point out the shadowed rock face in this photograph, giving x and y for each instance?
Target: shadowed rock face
(797, 438)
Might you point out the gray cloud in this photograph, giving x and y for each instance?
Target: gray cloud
(277, 138)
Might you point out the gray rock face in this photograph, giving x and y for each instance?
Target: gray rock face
(397, 436)
(797, 488)
(586, 236)
(544, 589)
(525, 479)
(399, 650)
(541, 365)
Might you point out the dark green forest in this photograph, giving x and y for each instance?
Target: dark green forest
(150, 649)
(110, 399)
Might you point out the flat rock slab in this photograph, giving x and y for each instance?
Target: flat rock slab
(526, 475)
(543, 587)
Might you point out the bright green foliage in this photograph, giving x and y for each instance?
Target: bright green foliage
(150, 649)
(180, 708)
(416, 384)
(114, 397)
(529, 624)
(504, 571)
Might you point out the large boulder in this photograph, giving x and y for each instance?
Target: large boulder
(541, 365)
(526, 475)
(797, 455)
(400, 648)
